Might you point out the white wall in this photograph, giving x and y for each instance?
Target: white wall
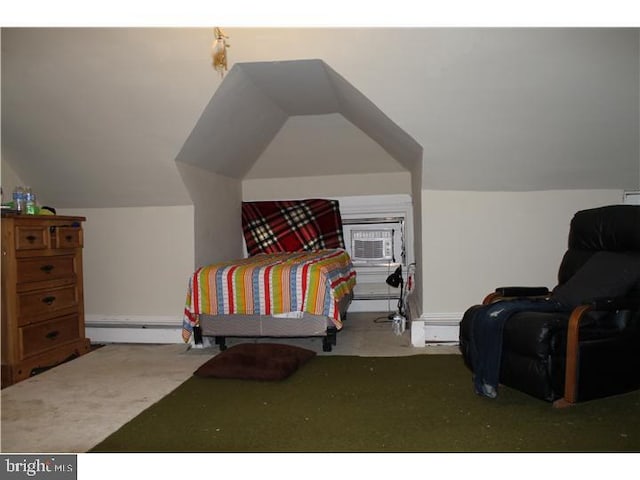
(137, 262)
(496, 109)
(326, 186)
(473, 242)
(447, 100)
(10, 180)
(324, 144)
(217, 223)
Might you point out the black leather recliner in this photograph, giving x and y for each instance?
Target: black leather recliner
(592, 351)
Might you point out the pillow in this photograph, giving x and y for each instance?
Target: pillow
(256, 361)
(605, 274)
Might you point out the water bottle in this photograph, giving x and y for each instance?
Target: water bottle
(398, 324)
(29, 201)
(18, 199)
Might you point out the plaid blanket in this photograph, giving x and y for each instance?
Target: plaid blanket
(272, 284)
(291, 225)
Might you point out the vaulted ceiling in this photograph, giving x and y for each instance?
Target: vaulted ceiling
(98, 117)
(256, 100)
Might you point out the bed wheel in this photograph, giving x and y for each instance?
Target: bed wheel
(332, 335)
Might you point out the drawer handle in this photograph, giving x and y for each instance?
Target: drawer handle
(47, 268)
(49, 300)
(31, 238)
(52, 229)
(52, 335)
(69, 238)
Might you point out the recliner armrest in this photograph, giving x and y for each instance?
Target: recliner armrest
(511, 292)
(522, 291)
(573, 339)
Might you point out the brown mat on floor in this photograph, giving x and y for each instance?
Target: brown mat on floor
(256, 361)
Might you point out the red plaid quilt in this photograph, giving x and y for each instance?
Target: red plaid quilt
(291, 225)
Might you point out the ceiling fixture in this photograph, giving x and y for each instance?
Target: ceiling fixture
(219, 51)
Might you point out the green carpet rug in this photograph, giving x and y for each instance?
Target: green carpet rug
(422, 403)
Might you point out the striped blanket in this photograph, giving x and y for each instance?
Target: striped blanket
(271, 284)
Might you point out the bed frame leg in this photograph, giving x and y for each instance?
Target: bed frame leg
(221, 342)
(197, 335)
(329, 339)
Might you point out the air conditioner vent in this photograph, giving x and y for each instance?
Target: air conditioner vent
(367, 249)
(368, 245)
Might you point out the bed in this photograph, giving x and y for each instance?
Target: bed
(297, 281)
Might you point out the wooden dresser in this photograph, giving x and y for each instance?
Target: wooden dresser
(42, 293)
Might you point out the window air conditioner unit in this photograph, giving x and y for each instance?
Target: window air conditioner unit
(372, 246)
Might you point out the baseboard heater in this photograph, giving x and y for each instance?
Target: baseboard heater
(438, 328)
(133, 332)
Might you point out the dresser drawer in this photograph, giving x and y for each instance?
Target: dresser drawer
(49, 334)
(67, 237)
(34, 306)
(32, 237)
(38, 269)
